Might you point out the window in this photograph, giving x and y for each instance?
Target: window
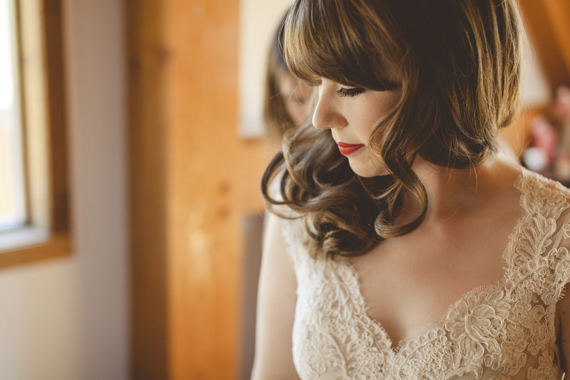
(12, 184)
(34, 222)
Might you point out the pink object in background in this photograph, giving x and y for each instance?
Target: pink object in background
(561, 107)
(561, 115)
(544, 136)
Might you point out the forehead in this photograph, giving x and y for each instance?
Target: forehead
(336, 39)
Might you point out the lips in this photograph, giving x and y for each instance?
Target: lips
(347, 149)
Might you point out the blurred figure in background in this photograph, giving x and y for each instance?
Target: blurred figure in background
(287, 100)
(287, 104)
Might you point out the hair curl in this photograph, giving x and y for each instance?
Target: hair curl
(458, 63)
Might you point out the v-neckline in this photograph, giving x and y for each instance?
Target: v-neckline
(431, 327)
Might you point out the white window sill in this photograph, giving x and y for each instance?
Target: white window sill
(22, 237)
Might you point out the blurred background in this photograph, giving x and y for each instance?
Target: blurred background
(132, 142)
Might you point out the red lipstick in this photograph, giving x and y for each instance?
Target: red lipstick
(346, 149)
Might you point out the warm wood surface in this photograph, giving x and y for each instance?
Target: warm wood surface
(56, 246)
(213, 180)
(148, 170)
(559, 17)
(548, 25)
(192, 181)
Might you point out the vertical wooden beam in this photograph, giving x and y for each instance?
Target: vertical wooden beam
(204, 262)
(559, 15)
(148, 169)
(192, 181)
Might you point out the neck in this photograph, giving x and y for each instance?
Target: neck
(453, 191)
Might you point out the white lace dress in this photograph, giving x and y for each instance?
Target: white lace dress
(501, 331)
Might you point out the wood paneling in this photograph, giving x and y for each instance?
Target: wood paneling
(148, 170)
(548, 25)
(192, 180)
(213, 179)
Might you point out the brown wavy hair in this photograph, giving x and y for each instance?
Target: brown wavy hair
(458, 66)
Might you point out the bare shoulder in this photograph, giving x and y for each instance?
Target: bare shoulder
(501, 194)
(505, 172)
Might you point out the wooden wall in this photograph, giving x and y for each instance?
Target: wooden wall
(147, 82)
(548, 26)
(193, 179)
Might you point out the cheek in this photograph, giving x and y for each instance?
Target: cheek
(371, 113)
(364, 125)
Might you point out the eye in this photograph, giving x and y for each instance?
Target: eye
(350, 92)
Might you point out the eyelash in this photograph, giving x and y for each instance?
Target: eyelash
(350, 92)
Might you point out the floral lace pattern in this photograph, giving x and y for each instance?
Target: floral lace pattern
(498, 332)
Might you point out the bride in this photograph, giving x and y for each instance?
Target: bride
(401, 244)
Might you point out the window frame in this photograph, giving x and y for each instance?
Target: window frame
(43, 99)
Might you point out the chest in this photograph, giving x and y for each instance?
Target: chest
(494, 329)
(408, 284)
(468, 324)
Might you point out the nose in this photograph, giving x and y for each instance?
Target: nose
(327, 114)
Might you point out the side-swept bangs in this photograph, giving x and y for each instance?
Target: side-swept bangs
(321, 41)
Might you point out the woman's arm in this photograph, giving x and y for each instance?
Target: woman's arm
(275, 308)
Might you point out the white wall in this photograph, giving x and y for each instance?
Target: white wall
(259, 20)
(535, 90)
(67, 319)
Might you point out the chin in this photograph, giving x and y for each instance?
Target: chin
(368, 170)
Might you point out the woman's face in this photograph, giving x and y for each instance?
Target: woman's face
(296, 96)
(350, 114)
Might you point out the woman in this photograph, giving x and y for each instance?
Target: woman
(404, 246)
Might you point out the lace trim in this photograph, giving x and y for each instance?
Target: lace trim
(511, 240)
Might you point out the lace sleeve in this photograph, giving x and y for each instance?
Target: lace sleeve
(543, 254)
(560, 254)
